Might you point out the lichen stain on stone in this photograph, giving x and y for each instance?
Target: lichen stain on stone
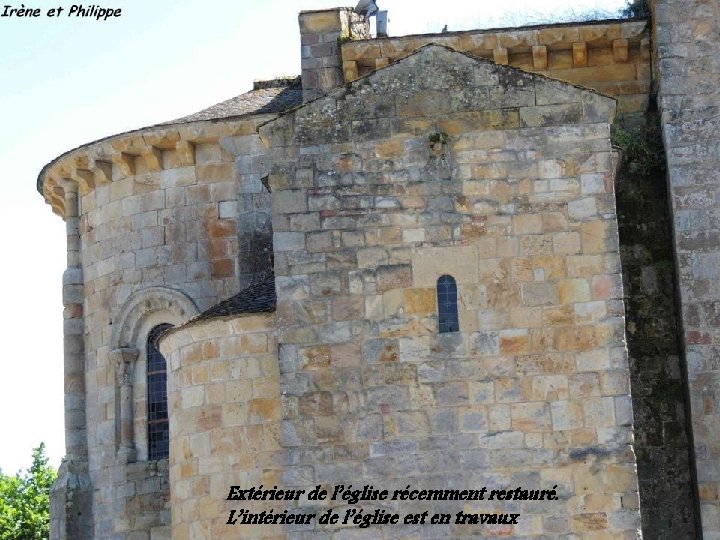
(510, 78)
(581, 454)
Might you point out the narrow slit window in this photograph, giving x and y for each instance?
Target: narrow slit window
(447, 305)
(157, 408)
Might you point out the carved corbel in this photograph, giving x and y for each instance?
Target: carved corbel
(186, 152)
(125, 162)
(153, 158)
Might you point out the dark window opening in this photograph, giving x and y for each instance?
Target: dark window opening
(447, 305)
(157, 408)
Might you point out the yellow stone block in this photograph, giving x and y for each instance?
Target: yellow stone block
(428, 264)
(420, 301)
(200, 374)
(350, 70)
(514, 342)
(553, 266)
(574, 339)
(540, 57)
(262, 410)
(588, 479)
(579, 52)
(574, 290)
(527, 224)
(620, 50)
(390, 149)
(317, 22)
(233, 414)
(255, 343)
(210, 349)
(500, 55)
(594, 236)
(585, 265)
(312, 358)
(215, 172)
(589, 522)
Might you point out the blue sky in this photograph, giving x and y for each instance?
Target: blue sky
(67, 81)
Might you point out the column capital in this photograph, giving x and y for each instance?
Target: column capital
(124, 359)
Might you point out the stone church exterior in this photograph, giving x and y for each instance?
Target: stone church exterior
(421, 263)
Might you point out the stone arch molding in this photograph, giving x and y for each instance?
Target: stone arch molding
(141, 304)
(142, 309)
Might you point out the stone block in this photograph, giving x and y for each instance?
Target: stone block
(539, 294)
(288, 241)
(540, 57)
(215, 172)
(551, 115)
(579, 54)
(527, 224)
(568, 243)
(319, 22)
(290, 201)
(500, 55)
(394, 277)
(573, 290)
(419, 301)
(529, 417)
(428, 264)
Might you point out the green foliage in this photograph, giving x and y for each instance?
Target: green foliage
(530, 17)
(636, 8)
(642, 149)
(25, 500)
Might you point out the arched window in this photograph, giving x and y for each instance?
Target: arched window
(447, 305)
(157, 408)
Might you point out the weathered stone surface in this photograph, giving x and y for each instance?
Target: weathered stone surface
(687, 96)
(440, 164)
(529, 267)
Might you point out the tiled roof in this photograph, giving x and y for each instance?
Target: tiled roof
(266, 97)
(258, 298)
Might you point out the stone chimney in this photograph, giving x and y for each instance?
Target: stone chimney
(321, 33)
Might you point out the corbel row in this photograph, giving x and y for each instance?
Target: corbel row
(120, 156)
(103, 162)
(502, 46)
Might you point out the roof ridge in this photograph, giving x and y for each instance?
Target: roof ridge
(276, 82)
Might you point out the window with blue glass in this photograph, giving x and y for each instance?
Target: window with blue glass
(157, 408)
(447, 305)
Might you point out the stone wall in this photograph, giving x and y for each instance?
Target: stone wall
(688, 74)
(224, 401)
(446, 164)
